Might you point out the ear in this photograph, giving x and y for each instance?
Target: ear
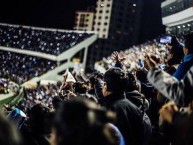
(185, 51)
(105, 87)
(107, 92)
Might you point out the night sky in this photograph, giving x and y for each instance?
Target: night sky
(43, 13)
(61, 14)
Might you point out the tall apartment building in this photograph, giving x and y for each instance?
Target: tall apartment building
(84, 20)
(102, 18)
(177, 16)
(117, 23)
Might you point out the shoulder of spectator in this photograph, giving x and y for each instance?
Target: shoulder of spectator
(184, 116)
(153, 71)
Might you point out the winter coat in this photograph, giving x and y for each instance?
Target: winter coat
(129, 118)
(178, 91)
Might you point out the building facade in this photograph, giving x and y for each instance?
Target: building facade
(102, 18)
(177, 16)
(117, 23)
(84, 20)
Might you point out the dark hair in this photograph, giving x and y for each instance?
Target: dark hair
(189, 41)
(174, 41)
(178, 54)
(74, 125)
(56, 102)
(141, 75)
(176, 51)
(39, 115)
(99, 75)
(80, 88)
(94, 77)
(8, 132)
(131, 84)
(92, 80)
(115, 79)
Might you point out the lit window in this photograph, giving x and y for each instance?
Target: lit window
(134, 5)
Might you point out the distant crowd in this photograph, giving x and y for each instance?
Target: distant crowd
(45, 41)
(6, 86)
(21, 68)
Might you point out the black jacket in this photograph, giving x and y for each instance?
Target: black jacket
(129, 118)
(136, 98)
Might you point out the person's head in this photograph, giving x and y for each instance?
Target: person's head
(8, 132)
(80, 87)
(92, 82)
(81, 122)
(56, 102)
(188, 43)
(174, 41)
(115, 81)
(141, 75)
(40, 118)
(176, 51)
(132, 84)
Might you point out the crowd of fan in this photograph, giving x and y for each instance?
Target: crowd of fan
(20, 68)
(41, 93)
(148, 102)
(3, 86)
(46, 41)
(135, 53)
(6, 86)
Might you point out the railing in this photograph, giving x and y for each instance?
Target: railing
(176, 7)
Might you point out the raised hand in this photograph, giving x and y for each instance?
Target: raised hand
(115, 57)
(151, 60)
(167, 111)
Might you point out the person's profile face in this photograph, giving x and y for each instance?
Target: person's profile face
(104, 89)
(53, 139)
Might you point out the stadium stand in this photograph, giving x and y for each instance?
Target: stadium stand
(41, 53)
(20, 68)
(40, 40)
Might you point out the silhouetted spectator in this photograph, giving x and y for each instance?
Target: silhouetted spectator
(81, 122)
